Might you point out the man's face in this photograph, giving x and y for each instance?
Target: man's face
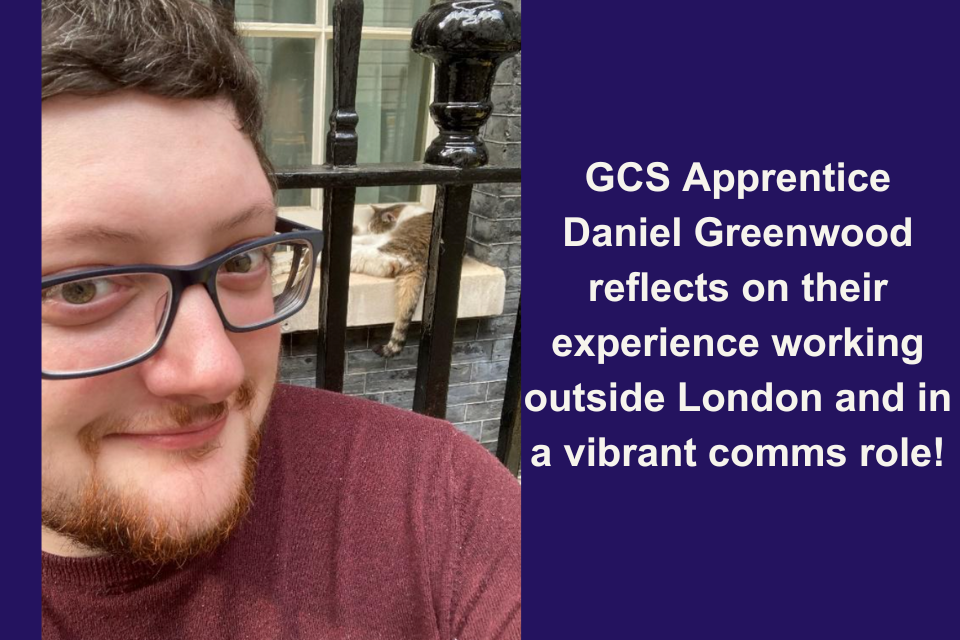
(160, 450)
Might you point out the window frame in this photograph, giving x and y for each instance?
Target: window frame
(321, 31)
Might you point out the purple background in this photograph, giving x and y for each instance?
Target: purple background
(20, 575)
(678, 552)
(742, 552)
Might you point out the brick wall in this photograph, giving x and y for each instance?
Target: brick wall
(481, 346)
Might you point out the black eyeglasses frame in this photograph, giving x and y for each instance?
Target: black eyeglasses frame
(181, 277)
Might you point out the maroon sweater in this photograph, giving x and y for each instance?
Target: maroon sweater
(369, 522)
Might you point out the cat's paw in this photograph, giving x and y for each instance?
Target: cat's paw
(386, 350)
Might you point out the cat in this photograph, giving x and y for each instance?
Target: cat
(395, 244)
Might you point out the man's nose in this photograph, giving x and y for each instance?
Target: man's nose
(198, 361)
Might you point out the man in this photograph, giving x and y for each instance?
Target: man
(184, 493)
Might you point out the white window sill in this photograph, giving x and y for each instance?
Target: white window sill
(373, 300)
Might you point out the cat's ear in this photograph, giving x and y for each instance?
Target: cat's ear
(388, 214)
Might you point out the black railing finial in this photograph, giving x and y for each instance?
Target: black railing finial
(467, 39)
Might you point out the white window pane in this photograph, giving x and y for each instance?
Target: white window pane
(296, 11)
(286, 68)
(390, 13)
(393, 86)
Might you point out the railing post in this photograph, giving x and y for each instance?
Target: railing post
(467, 40)
(508, 443)
(338, 203)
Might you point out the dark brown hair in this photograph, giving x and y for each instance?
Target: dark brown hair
(178, 49)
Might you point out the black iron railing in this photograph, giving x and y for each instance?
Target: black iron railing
(467, 40)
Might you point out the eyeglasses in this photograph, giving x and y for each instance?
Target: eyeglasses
(102, 320)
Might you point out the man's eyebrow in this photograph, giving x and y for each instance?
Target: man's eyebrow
(103, 234)
(255, 211)
(91, 234)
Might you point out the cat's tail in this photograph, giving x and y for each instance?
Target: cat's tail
(409, 285)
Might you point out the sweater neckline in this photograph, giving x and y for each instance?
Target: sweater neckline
(105, 572)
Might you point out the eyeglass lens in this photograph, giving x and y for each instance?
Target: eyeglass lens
(101, 322)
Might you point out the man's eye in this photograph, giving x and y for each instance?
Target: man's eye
(84, 302)
(245, 262)
(80, 292)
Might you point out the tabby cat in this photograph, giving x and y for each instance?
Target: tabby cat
(395, 244)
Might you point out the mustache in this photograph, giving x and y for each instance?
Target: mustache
(180, 415)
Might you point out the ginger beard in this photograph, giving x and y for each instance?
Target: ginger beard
(160, 507)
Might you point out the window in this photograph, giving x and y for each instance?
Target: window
(291, 42)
